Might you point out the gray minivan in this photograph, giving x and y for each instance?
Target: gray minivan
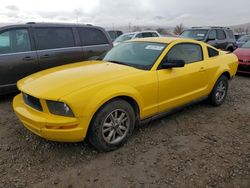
(31, 47)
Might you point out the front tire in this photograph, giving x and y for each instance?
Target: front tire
(112, 125)
(219, 92)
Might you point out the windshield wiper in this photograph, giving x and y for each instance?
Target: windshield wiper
(128, 64)
(119, 62)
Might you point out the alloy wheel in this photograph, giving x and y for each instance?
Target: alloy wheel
(220, 91)
(116, 126)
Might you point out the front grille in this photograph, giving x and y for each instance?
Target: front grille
(245, 68)
(32, 102)
(244, 60)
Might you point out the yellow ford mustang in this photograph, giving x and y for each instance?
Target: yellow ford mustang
(136, 80)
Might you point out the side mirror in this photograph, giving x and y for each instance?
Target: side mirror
(173, 64)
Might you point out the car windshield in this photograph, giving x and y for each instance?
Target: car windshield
(198, 34)
(244, 39)
(124, 37)
(246, 45)
(140, 55)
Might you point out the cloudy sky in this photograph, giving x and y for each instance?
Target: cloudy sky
(109, 13)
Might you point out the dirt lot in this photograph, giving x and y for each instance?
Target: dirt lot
(199, 146)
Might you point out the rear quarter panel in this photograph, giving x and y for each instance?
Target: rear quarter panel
(224, 63)
(229, 62)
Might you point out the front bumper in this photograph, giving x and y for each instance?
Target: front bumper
(38, 123)
(244, 68)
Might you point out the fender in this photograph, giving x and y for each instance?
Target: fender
(229, 46)
(109, 93)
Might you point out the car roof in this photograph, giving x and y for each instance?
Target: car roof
(207, 27)
(165, 40)
(136, 32)
(114, 30)
(44, 24)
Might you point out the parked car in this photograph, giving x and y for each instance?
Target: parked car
(133, 35)
(136, 80)
(237, 36)
(242, 40)
(28, 48)
(243, 54)
(114, 34)
(219, 37)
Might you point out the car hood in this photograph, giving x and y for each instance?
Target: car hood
(57, 82)
(116, 43)
(242, 52)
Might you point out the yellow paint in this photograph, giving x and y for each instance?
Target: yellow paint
(86, 86)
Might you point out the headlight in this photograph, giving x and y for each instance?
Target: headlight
(59, 108)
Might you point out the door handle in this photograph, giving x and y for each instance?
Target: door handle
(44, 56)
(28, 58)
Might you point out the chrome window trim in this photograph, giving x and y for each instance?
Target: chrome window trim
(7, 85)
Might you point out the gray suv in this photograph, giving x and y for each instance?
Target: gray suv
(219, 37)
(31, 47)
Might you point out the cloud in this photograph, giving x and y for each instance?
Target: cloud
(12, 8)
(122, 12)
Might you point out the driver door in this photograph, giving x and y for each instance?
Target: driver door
(17, 57)
(178, 86)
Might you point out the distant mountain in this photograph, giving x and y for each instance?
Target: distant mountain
(132, 28)
(3, 24)
(241, 28)
(245, 26)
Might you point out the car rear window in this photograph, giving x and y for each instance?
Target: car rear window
(49, 38)
(92, 36)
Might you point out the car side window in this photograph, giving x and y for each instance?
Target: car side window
(154, 35)
(221, 34)
(53, 37)
(13, 41)
(187, 52)
(230, 33)
(147, 35)
(212, 52)
(212, 34)
(139, 35)
(92, 36)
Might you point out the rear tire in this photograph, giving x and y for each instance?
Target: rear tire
(112, 125)
(219, 92)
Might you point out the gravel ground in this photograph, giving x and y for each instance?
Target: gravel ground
(199, 146)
